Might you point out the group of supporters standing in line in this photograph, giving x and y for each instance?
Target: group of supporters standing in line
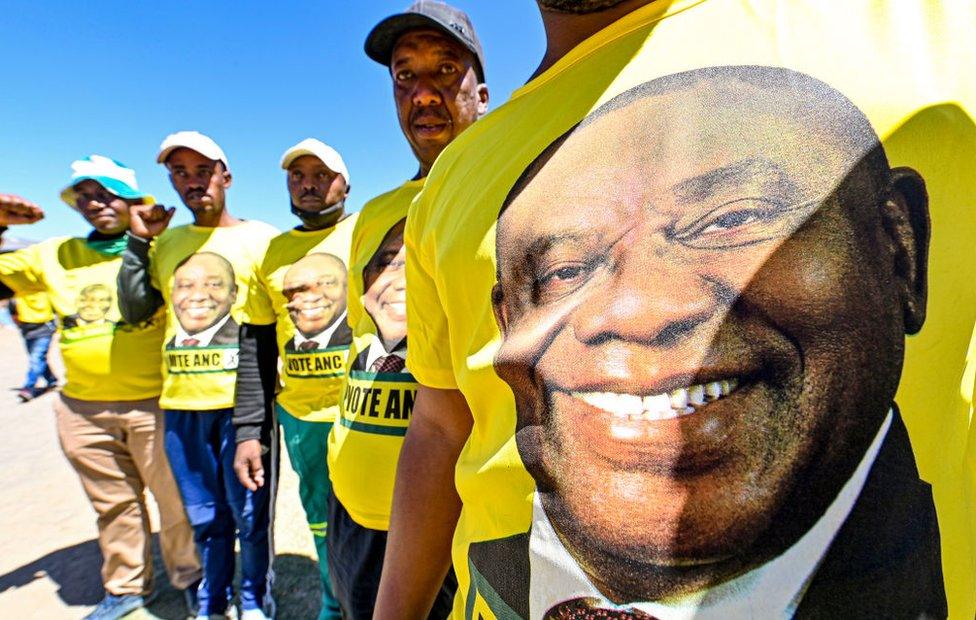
(657, 319)
(252, 329)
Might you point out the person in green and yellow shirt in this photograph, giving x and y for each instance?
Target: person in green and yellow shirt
(297, 312)
(202, 275)
(437, 69)
(108, 418)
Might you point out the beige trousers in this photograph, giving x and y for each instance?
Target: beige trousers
(117, 450)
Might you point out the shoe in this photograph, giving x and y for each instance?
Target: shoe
(26, 394)
(230, 614)
(113, 607)
(267, 612)
(190, 599)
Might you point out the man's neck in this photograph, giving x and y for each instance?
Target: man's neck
(564, 31)
(215, 219)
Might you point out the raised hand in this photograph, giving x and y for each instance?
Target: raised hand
(148, 221)
(17, 210)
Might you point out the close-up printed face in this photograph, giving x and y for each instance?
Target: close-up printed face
(200, 182)
(437, 90)
(94, 304)
(315, 288)
(385, 283)
(105, 211)
(703, 303)
(204, 290)
(313, 187)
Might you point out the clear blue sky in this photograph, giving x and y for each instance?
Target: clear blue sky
(116, 77)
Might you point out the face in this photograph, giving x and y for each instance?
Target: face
(313, 186)
(385, 280)
(203, 292)
(437, 93)
(105, 211)
(200, 182)
(697, 335)
(94, 303)
(315, 288)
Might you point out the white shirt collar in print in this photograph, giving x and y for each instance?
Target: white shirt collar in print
(773, 590)
(324, 336)
(377, 350)
(203, 337)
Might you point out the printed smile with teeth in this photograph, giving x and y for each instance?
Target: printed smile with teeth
(663, 406)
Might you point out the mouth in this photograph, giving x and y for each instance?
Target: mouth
(199, 312)
(314, 312)
(429, 127)
(671, 405)
(398, 307)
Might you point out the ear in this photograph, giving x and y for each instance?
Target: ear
(906, 219)
(228, 178)
(499, 309)
(482, 99)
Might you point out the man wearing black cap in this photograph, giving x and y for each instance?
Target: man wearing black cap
(437, 67)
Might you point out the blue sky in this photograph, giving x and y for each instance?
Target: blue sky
(114, 78)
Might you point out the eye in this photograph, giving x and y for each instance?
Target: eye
(744, 222)
(561, 279)
(403, 75)
(448, 69)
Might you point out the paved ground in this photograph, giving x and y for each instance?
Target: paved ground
(49, 557)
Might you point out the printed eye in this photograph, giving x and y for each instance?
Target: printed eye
(561, 279)
(743, 222)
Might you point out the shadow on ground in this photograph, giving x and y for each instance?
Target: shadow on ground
(76, 570)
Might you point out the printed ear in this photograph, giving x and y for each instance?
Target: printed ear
(906, 218)
(498, 308)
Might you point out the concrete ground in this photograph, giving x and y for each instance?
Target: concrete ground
(49, 556)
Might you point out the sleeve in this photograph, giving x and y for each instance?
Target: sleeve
(18, 274)
(138, 298)
(258, 309)
(256, 378)
(428, 337)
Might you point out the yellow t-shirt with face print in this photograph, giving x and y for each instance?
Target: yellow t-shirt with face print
(301, 287)
(105, 359)
(673, 278)
(379, 391)
(205, 276)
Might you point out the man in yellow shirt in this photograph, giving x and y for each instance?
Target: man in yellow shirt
(437, 66)
(666, 386)
(203, 274)
(35, 320)
(297, 313)
(108, 419)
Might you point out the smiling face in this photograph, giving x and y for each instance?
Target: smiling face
(315, 288)
(705, 330)
(385, 282)
(105, 211)
(200, 182)
(437, 91)
(204, 290)
(94, 303)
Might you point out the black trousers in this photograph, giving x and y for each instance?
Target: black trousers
(356, 562)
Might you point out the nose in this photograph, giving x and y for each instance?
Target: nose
(648, 299)
(426, 94)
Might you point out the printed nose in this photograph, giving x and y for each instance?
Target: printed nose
(648, 299)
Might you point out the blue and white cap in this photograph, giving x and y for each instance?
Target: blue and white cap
(114, 176)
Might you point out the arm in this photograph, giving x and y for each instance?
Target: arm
(138, 299)
(253, 416)
(426, 505)
(15, 210)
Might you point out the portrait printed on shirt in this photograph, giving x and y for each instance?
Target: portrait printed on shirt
(93, 306)
(207, 336)
(380, 392)
(315, 289)
(703, 294)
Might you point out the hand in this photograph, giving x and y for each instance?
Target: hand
(247, 464)
(17, 210)
(148, 221)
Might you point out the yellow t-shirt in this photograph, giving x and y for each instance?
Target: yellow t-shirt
(205, 276)
(707, 228)
(301, 287)
(104, 358)
(34, 308)
(379, 391)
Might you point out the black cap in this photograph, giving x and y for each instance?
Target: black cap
(425, 14)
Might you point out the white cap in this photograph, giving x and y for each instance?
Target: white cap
(328, 155)
(195, 141)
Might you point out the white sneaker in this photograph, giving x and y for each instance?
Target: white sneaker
(253, 614)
